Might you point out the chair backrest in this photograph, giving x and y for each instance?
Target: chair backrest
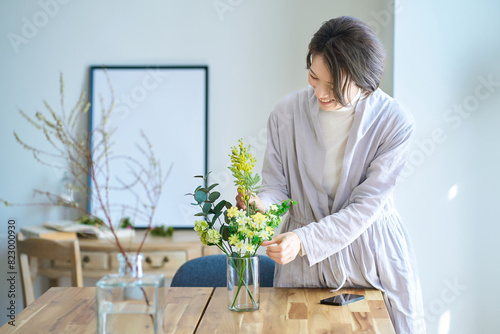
(211, 271)
(32, 249)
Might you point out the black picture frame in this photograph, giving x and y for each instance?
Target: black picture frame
(170, 105)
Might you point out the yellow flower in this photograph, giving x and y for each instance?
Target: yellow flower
(264, 234)
(250, 248)
(240, 245)
(243, 230)
(233, 239)
(259, 218)
(232, 212)
(250, 234)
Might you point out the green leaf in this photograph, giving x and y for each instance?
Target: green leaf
(199, 214)
(216, 216)
(224, 232)
(213, 186)
(213, 196)
(200, 196)
(219, 206)
(199, 176)
(206, 207)
(228, 205)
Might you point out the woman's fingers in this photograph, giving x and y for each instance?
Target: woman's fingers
(283, 248)
(240, 203)
(270, 242)
(254, 200)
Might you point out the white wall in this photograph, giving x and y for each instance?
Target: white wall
(255, 51)
(443, 51)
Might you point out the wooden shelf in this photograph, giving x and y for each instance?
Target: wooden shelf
(162, 255)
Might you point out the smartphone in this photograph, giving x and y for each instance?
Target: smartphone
(345, 298)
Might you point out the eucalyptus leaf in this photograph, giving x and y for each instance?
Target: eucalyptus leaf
(206, 207)
(199, 214)
(214, 196)
(216, 216)
(200, 196)
(219, 206)
(224, 232)
(213, 186)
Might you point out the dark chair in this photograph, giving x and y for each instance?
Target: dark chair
(211, 271)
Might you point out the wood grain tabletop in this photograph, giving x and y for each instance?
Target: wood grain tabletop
(73, 311)
(294, 310)
(204, 310)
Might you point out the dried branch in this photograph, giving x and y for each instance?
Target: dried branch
(89, 156)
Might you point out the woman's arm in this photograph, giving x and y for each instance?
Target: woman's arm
(274, 187)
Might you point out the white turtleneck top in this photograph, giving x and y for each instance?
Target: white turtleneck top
(335, 126)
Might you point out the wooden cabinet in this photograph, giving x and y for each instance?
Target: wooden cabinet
(161, 255)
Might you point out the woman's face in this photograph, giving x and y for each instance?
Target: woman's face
(320, 79)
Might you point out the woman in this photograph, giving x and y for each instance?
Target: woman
(337, 147)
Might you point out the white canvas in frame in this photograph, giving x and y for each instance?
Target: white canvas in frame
(170, 105)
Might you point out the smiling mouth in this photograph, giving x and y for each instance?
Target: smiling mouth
(326, 100)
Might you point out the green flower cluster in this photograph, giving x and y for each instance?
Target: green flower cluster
(207, 236)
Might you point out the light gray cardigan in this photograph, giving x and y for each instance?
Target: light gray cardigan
(360, 241)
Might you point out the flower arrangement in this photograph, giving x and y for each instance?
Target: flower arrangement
(236, 232)
(241, 231)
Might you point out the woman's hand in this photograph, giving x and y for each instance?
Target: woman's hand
(254, 199)
(283, 248)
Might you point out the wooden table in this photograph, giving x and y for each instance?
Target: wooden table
(204, 310)
(287, 310)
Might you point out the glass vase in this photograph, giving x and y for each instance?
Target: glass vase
(243, 286)
(130, 301)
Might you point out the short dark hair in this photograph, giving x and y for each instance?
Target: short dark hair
(351, 51)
